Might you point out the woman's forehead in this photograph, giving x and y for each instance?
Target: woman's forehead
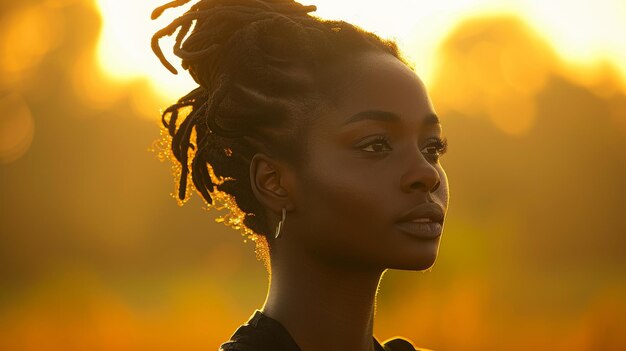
(378, 86)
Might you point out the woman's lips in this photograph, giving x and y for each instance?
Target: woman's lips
(421, 229)
(425, 221)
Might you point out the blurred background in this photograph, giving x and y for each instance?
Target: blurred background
(95, 254)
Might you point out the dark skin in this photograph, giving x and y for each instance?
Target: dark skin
(339, 235)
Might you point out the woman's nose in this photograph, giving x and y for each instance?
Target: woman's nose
(421, 175)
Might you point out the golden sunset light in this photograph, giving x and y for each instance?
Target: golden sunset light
(528, 158)
(584, 33)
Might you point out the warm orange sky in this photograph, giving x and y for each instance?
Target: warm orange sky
(583, 33)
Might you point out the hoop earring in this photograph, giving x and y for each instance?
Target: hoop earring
(280, 224)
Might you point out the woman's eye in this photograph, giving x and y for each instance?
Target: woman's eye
(378, 145)
(432, 150)
(435, 150)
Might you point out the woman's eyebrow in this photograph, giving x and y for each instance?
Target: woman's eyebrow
(386, 116)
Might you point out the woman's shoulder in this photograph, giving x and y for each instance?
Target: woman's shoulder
(257, 343)
(248, 338)
(400, 344)
(260, 333)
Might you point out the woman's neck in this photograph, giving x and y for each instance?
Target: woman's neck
(323, 306)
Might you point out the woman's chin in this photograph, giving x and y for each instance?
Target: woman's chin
(420, 262)
(422, 265)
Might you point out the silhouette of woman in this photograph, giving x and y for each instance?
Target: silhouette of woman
(324, 146)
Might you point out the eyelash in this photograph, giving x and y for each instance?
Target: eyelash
(440, 145)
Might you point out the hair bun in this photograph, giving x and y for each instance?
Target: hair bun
(216, 22)
(269, 5)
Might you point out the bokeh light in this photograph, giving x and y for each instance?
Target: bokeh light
(30, 33)
(16, 128)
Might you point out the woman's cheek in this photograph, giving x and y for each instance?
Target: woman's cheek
(442, 194)
(343, 208)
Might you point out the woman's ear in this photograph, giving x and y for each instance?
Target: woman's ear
(271, 182)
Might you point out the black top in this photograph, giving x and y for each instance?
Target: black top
(263, 333)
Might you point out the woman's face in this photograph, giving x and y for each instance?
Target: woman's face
(371, 172)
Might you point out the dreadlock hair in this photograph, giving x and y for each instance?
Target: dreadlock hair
(256, 63)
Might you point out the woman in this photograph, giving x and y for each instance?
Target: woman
(324, 146)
